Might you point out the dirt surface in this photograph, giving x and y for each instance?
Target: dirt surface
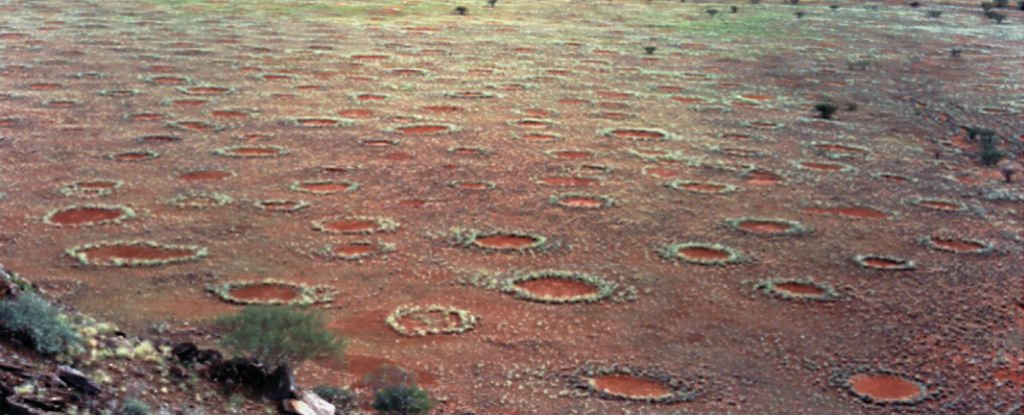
(251, 139)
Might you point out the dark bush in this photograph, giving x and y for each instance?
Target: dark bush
(402, 400)
(990, 152)
(826, 110)
(799, 15)
(492, 2)
(37, 323)
(915, 4)
(650, 49)
(956, 52)
(934, 14)
(998, 17)
(734, 9)
(711, 12)
(342, 399)
(461, 10)
(1002, 3)
(276, 335)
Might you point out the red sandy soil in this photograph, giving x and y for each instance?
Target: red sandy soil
(799, 289)
(767, 227)
(265, 292)
(85, 215)
(323, 85)
(631, 386)
(105, 254)
(703, 254)
(885, 388)
(556, 287)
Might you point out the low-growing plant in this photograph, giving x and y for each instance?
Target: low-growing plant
(461, 10)
(133, 406)
(990, 152)
(650, 49)
(826, 110)
(342, 399)
(711, 12)
(915, 4)
(755, 1)
(833, 7)
(734, 9)
(402, 400)
(492, 2)
(1020, 4)
(994, 15)
(799, 15)
(987, 5)
(276, 335)
(1002, 3)
(39, 324)
(956, 52)
(934, 14)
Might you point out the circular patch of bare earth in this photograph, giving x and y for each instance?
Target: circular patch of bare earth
(941, 205)
(957, 245)
(205, 175)
(625, 383)
(432, 319)
(884, 263)
(797, 289)
(558, 287)
(424, 129)
(701, 253)
(134, 253)
(637, 134)
(251, 151)
(767, 226)
(281, 205)
(90, 188)
(324, 187)
(569, 181)
(134, 155)
(499, 240)
(883, 387)
(707, 188)
(360, 225)
(582, 201)
(88, 215)
(272, 291)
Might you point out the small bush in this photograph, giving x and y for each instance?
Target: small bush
(987, 5)
(492, 2)
(956, 52)
(990, 152)
(934, 14)
(994, 15)
(342, 399)
(133, 407)
(799, 15)
(826, 110)
(833, 7)
(39, 323)
(734, 9)
(1002, 3)
(650, 49)
(461, 10)
(402, 400)
(711, 12)
(1020, 4)
(915, 4)
(275, 335)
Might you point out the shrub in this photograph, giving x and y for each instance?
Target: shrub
(833, 7)
(734, 9)
(987, 5)
(934, 14)
(793, 2)
(133, 407)
(755, 1)
(1002, 3)
(492, 2)
(39, 323)
(402, 400)
(956, 52)
(915, 4)
(275, 335)
(994, 15)
(342, 399)
(711, 12)
(650, 49)
(1020, 4)
(990, 152)
(461, 10)
(826, 110)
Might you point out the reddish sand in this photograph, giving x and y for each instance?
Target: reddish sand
(158, 139)
(356, 113)
(763, 178)
(568, 181)
(885, 388)
(581, 202)
(539, 138)
(265, 292)
(505, 241)
(110, 253)
(253, 151)
(850, 212)
(883, 263)
(552, 287)
(279, 205)
(423, 129)
(201, 175)
(206, 90)
(799, 289)
(758, 226)
(573, 154)
(351, 225)
(85, 215)
(96, 184)
(325, 187)
(958, 245)
(317, 122)
(702, 254)
(133, 156)
(703, 187)
(630, 386)
(353, 249)
(638, 134)
(940, 205)
(230, 114)
(473, 185)
(821, 166)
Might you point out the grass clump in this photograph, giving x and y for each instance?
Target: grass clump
(133, 407)
(402, 400)
(276, 335)
(31, 319)
(990, 152)
(342, 399)
(826, 110)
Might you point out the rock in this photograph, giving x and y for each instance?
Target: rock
(185, 352)
(318, 404)
(308, 403)
(77, 380)
(280, 384)
(241, 371)
(13, 406)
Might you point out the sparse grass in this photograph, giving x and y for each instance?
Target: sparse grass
(133, 406)
(38, 323)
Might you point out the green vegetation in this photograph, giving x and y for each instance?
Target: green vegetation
(41, 325)
(990, 152)
(133, 407)
(280, 334)
(342, 399)
(826, 110)
(402, 400)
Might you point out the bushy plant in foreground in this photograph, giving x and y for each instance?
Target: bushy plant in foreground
(402, 400)
(342, 399)
(38, 322)
(275, 335)
(133, 407)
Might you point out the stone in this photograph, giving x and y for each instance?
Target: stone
(308, 403)
(77, 380)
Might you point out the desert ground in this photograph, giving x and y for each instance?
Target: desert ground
(541, 207)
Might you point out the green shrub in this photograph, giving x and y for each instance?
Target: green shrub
(133, 407)
(402, 400)
(342, 399)
(280, 334)
(990, 152)
(37, 321)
